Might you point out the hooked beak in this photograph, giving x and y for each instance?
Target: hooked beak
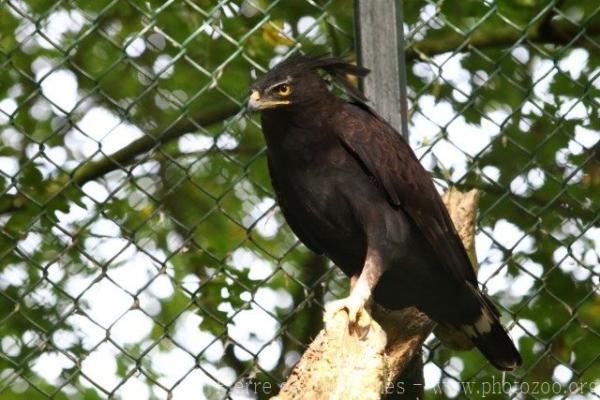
(255, 103)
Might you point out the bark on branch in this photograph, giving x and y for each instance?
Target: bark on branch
(91, 170)
(339, 365)
(548, 32)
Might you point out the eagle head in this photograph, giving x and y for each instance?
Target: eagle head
(296, 81)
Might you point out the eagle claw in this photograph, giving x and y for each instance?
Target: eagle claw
(359, 320)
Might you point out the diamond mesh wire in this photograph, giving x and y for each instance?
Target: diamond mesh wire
(142, 254)
(503, 98)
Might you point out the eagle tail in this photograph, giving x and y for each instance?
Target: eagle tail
(498, 348)
(490, 337)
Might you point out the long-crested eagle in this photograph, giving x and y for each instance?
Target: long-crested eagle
(351, 188)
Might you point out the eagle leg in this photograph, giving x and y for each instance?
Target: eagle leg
(357, 305)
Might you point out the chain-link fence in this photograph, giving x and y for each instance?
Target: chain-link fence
(504, 98)
(142, 255)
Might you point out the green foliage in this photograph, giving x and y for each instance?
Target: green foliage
(503, 66)
(137, 224)
(185, 229)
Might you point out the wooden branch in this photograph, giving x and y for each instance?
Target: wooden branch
(549, 32)
(340, 365)
(91, 170)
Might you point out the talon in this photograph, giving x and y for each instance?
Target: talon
(359, 320)
(363, 324)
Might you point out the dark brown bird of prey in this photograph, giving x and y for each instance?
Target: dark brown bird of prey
(351, 188)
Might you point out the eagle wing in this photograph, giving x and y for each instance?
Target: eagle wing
(388, 158)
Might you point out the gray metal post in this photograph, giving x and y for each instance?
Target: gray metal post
(380, 43)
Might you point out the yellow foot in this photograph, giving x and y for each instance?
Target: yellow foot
(359, 320)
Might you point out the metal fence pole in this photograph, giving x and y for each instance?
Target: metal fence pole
(380, 47)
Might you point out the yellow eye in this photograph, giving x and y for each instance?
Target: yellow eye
(284, 89)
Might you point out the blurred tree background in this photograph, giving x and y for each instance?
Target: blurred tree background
(142, 254)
